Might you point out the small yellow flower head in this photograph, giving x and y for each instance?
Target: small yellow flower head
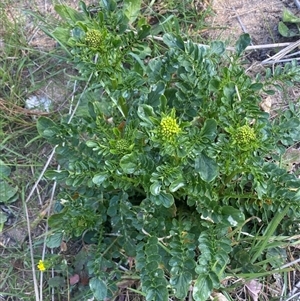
(41, 266)
(245, 135)
(169, 128)
(93, 38)
(122, 146)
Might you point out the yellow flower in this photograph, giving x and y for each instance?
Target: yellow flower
(41, 266)
(245, 135)
(169, 128)
(93, 38)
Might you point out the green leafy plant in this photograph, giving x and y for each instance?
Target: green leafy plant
(289, 26)
(167, 156)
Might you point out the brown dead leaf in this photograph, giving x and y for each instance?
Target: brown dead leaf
(219, 297)
(253, 288)
(63, 246)
(266, 104)
(291, 157)
(74, 279)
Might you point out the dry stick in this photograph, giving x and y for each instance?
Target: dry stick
(71, 113)
(31, 193)
(249, 48)
(283, 52)
(50, 205)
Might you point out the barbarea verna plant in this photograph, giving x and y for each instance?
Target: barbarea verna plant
(167, 155)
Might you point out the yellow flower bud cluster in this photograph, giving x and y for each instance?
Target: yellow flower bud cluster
(169, 128)
(93, 38)
(122, 146)
(245, 135)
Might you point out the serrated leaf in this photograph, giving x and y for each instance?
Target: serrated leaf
(181, 284)
(202, 288)
(132, 9)
(98, 287)
(54, 240)
(242, 43)
(56, 282)
(206, 167)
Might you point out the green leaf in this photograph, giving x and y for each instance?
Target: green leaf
(3, 218)
(181, 284)
(132, 9)
(99, 178)
(156, 91)
(289, 17)
(144, 31)
(129, 163)
(69, 14)
(54, 240)
(8, 194)
(166, 199)
(98, 287)
(232, 217)
(209, 129)
(144, 112)
(109, 5)
(177, 184)
(159, 293)
(47, 128)
(55, 221)
(4, 170)
(155, 188)
(285, 31)
(206, 167)
(173, 41)
(256, 86)
(217, 47)
(56, 281)
(122, 106)
(242, 43)
(202, 288)
(57, 175)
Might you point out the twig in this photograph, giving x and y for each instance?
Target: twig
(280, 61)
(278, 56)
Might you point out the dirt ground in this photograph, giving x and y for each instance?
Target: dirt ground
(256, 17)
